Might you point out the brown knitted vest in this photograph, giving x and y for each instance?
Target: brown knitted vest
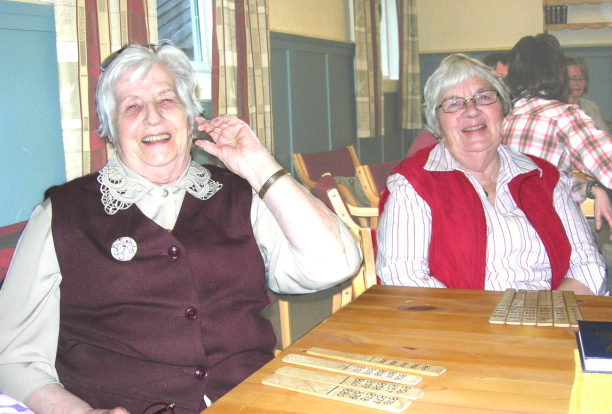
(178, 321)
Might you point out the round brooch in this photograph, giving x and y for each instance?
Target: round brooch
(124, 249)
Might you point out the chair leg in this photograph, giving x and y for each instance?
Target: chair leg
(285, 323)
(342, 298)
(369, 262)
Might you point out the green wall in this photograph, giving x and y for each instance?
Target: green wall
(31, 148)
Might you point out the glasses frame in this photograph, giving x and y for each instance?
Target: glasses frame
(577, 79)
(166, 407)
(465, 101)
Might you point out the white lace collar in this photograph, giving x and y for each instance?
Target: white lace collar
(121, 187)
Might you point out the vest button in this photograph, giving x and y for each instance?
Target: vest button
(174, 252)
(200, 373)
(191, 313)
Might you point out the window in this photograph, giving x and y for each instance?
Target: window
(188, 23)
(389, 37)
(389, 41)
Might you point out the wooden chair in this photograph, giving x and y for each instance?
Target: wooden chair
(588, 208)
(339, 162)
(284, 314)
(327, 190)
(366, 276)
(9, 236)
(373, 179)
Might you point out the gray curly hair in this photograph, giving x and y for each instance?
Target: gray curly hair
(137, 60)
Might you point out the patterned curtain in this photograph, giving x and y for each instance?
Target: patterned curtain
(241, 65)
(87, 31)
(409, 90)
(368, 73)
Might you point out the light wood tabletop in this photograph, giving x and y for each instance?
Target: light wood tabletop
(490, 368)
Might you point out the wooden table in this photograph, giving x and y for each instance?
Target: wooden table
(490, 368)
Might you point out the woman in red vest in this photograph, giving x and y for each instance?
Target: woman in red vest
(471, 213)
(145, 282)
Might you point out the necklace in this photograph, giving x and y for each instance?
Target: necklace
(484, 188)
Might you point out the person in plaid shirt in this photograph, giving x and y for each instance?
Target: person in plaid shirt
(542, 124)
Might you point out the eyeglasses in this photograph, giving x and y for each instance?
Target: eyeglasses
(577, 79)
(456, 104)
(165, 408)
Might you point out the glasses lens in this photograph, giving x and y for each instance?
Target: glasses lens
(452, 104)
(576, 79)
(485, 98)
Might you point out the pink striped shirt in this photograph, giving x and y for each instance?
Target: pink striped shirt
(516, 257)
(563, 135)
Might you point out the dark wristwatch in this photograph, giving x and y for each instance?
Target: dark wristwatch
(589, 188)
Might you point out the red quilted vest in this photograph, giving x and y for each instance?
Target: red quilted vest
(457, 252)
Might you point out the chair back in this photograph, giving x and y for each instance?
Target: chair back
(9, 236)
(328, 191)
(340, 162)
(373, 179)
(423, 140)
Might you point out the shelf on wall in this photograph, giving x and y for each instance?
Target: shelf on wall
(574, 2)
(578, 26)
(607, 12)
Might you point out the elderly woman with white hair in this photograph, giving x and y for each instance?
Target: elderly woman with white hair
(472, 213)
(162, 263)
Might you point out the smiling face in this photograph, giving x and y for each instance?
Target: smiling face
(475, 130)
(576, 87)
(153, 137)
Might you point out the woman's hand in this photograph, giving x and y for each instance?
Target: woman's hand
(53, 398)
(305, 221)
(237, 146)
(602, 207)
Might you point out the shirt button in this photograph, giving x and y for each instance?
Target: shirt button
(174, 252)
(200, 373)
(191, 313)
(164, 192)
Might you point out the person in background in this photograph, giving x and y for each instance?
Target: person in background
(543, 124)
(578, 73)
(498, 61)
(141, 286)
(472, 213)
